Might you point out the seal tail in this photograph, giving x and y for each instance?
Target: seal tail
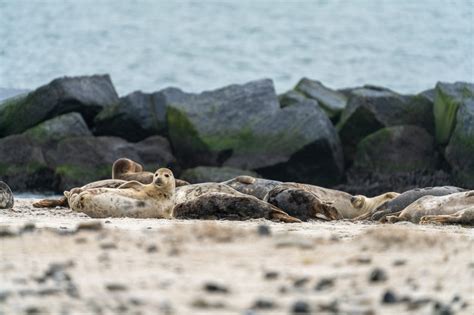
(51, 203)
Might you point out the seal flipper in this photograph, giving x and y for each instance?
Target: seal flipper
(51, 203)
(465, 217)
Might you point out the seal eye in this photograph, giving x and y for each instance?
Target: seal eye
(167, 175)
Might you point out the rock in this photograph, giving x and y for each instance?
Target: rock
(291, 97)
(58, 128)
(300, 307)
(372, 108)
(448, 98)
(393, 150)
(205, 174)
(23, 165)
(271, 275)
(242, 126)
(6, 196)
(324, 284)
(212, 287)
(389, 297)
(87, 95)
(331, 101)
(93, 225)
(263, 304)
(300, 282)
(137, 116)
(264, 230)
(114, 287)
(441, 309)
(81, 160)
(6, 93)
(378, 275)
(460, 149)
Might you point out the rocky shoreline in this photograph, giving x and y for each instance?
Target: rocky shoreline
(365, 140)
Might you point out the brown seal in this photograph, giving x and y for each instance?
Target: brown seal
(131, 199)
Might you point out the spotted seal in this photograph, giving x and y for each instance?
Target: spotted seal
(131, 199)
(464, 217)
(258, 187)
(434, 206)
(6, 196)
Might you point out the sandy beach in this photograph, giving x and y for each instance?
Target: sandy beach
(60, 262)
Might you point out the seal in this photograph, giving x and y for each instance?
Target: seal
(220, 201)
(131, 199)
(62, 202)
(464, 217)
(249, 185)
(405, 199)
(313, 202)
(434, 206)
(6, 196)
(127, 169)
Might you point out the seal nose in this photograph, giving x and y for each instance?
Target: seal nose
(353, 199)
(158, 181)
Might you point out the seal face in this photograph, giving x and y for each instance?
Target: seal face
(6, 196)
(131, 199)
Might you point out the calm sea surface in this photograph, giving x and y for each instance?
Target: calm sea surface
(201, 45)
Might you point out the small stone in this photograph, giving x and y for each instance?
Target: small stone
(28, 227)
(6, 232)
(378, 275)
(202, 303)
(107, 221)
(263, 304)
(264, 230)
(108, 245)
(332, 307)
(300, 282)
(212, 287)
(271, 275)
(399, 262)
(152, 248)
(4, 295)
(90, 226)
(441, 309)
(300, 307)
(456, 299)
(116, 287)
(389, 297)
(324, 284)
(33, 310)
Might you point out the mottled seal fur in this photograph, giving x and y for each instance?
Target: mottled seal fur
(220, 201)
(313, 202)
(464, 217)
(405, 199)
(6, 196)
(131, 199)
(434, 206)
(249, 185)
(127, 169)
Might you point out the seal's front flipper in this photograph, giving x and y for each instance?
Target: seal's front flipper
(51, 203)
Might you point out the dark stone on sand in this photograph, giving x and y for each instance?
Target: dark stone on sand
(300, 282)
(87, 95)
(389, 297)
(300, 307)
(324, 284)
(114, 287)
(378, 275)
(92, 225)
(213, 287)
(263, 304)
(442, 309)
(264, 230)
(271, 275)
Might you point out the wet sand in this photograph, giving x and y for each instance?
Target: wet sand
(148, 266)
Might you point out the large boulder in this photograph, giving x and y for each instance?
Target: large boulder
(331, 101)
(448, 98)
(393, 150)
(81, 160)
(290, 98)
(87, 95)
(460, 151)
(58, 128)
(23, 165)
(204, 174)
(242, 126)
(137, 116)
(372, 108)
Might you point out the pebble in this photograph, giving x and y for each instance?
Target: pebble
(93, 225)
(441, 309)
(271, 275)
(264, 230)
(263, 304)
(116, 287)
(389, 297)
(6, 232)
(108, 245)
(28, 227)
(300, 307)
(399, 262)
(212, 287)
(202, 303)
(324, 284)
(294, 241)
(300, 282)
(152, 248)
(377, 275)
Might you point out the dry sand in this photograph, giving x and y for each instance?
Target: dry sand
(148, 266)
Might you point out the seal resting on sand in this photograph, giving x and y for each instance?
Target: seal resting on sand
(131, 199)
(313, 202)
(258, 187)
(405, 199)
(464, 217)
(434, 206)
(127, 169)
(6, 196)
(219, 201)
